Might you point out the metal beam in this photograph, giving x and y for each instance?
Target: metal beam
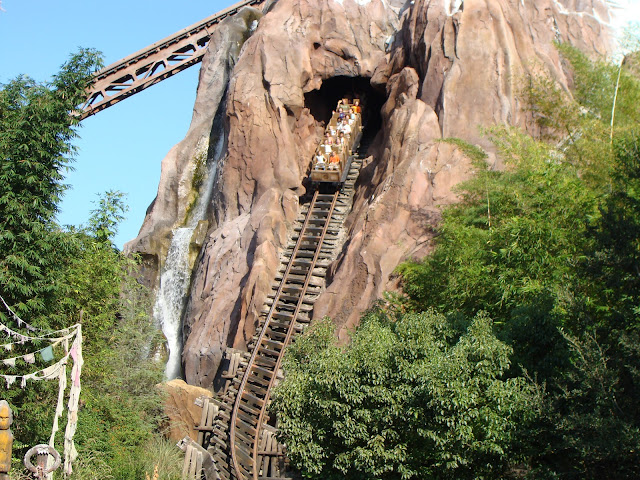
(154, 63)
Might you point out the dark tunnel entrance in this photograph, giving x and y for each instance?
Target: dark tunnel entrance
(322, 102)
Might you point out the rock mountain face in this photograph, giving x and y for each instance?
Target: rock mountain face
(434, 69)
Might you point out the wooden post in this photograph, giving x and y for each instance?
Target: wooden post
(197, 461)
(6, 439)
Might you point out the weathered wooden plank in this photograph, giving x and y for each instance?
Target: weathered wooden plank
(267, 351)
(203, 421)
(250, 408)
(245, 455)
(186, 466)
(249, 397)
(273, 345)
(266, 362)
(248, 428)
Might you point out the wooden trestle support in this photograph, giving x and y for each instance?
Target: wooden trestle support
(242, 439)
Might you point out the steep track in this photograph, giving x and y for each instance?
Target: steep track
(243, 442)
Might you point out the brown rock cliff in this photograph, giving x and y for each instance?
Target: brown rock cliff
(442, 68)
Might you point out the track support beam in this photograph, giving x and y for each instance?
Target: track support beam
(154, 63)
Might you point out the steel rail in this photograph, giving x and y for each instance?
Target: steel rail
(291, 328)
(254, 354)
(233, 447)
(154, 63)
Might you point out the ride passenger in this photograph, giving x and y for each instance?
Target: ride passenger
(342, 142)
(328, 139)
(345, 128)
(334, 161)
(321, 163)
(351, 119)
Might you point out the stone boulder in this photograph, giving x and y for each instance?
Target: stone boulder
(181, 410)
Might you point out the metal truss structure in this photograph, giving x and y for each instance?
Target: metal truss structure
(154, 63)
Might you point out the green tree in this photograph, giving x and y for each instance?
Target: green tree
(587, 429)
(411, 398)
(36, 130)
(592, 425)
(510, 248)
(613, 266)
(54, 278)
(104, 220)
(122, 406)
(549, 247)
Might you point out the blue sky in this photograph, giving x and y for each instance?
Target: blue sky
(120, 148)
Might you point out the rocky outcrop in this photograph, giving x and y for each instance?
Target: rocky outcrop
(179, 171)
(456, 66)
(397, 206)
(445, 68)
(182, 413)
(272, 134)
(632, 63)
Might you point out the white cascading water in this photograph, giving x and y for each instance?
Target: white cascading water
(176, 274)
(172, 290)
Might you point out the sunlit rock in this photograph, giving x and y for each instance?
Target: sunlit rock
(430, 69)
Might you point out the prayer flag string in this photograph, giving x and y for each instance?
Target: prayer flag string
(22, 339)
(46, 354)
(70, 452)
(58, 371)
(48, 373)
(21, 323)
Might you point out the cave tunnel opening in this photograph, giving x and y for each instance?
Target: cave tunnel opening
(323, 101)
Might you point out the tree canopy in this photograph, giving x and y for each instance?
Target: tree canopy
(36, 131)
(410, 398)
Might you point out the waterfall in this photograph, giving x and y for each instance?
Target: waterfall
(176, 273)
(171, 294)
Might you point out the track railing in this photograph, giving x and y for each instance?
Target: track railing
(289, 308)
(248, 417)
(154, 63)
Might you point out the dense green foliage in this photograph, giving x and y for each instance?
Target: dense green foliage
(411, 398)
(549, 249)
(54, 278)
(35, 147)
(121, 406)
